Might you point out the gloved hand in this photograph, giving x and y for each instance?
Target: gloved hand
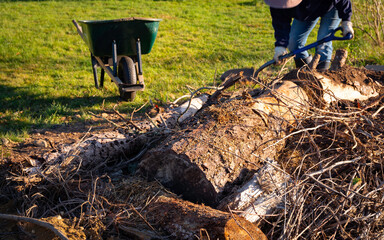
(279, 51)
(347, 28)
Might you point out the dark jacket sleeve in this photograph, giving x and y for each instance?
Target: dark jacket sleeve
(281, 22)
(344, 8)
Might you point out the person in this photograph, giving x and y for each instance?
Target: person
(305, 15)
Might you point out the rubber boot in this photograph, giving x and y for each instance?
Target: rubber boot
(323, 66)
(299, 62)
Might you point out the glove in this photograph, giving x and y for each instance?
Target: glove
(347, 28)
(279, 51)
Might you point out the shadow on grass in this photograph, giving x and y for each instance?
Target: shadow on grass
(21, 110)
(248, 3)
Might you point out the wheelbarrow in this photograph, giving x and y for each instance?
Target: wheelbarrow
(116, 47)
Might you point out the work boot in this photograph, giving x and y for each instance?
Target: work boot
(299, 62)
(323, 66)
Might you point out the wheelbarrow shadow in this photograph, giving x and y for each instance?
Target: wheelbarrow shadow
(31, 110)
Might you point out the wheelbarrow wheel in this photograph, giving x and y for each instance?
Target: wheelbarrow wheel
(126, 71)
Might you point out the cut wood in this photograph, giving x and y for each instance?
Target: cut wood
(185, 220)
(261, 195)
(160, 214)
(225, 144)
(189, 108)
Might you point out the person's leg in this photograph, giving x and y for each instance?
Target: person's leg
(300, 31)
(329, 22)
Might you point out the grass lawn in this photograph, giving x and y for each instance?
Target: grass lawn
(45, 68)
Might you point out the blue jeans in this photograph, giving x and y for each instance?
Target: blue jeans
(300, 31)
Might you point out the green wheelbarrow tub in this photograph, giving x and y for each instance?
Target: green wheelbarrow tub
(100, 34)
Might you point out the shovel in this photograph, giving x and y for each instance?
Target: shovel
(328, 38)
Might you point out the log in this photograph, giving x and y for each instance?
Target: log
(285, 100)
(222, 151)
(101, 147)
(185, 220)
(189, 108)
(347, 83)
(334, 91)
(261, 195)
(224, 146)
(92, 151)
(155, 213)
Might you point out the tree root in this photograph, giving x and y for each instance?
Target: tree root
(38, 222)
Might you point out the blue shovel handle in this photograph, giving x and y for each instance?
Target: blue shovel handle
(328, 38)
(332, 36)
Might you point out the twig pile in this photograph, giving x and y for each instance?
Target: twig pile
(338, 190)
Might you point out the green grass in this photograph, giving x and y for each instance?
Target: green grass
(45, 70)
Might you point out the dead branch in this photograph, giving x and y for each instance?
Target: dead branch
(181, 117)
(124, 119)
(38, 222)
(228, 82)
(333, 166)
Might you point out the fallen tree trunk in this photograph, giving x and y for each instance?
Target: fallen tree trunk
(225, 144)
(219, 156)
(185, 220)
(222, 148)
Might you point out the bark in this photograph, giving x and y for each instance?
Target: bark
(93, 151)
(261, 195)
(98, 148)
(226, 145)
(222, 147)
(185, 220)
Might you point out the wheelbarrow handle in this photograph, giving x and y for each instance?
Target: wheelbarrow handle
(332, 36)
(79, 29)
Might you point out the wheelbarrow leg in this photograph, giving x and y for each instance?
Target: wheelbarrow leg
(138, 48)
(114, 58)
(94, 68)
(139, 64)
(102, 73)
